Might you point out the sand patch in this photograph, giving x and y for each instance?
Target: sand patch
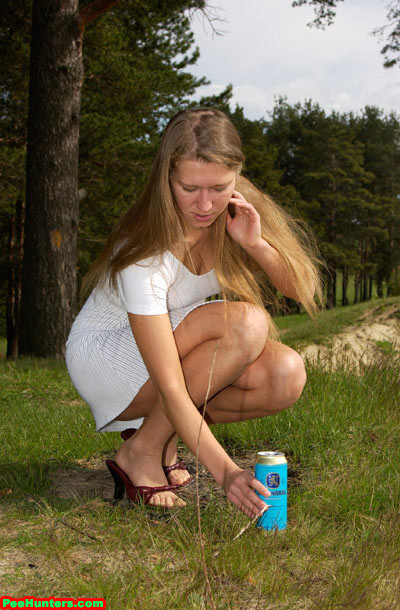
(371, 341)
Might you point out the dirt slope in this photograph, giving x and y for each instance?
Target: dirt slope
(377, 335)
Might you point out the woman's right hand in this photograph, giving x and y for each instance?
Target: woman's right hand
(240, 487)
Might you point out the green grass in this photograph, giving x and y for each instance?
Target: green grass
(298, 330)
(342, 545)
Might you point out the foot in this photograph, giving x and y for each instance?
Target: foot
(142, 464)
(170, 457)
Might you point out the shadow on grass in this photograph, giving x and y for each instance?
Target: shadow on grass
(50, 480)
(89, 479)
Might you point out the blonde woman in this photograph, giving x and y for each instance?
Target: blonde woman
(147, 347)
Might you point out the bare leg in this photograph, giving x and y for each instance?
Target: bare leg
(272, 383)
(244, 386)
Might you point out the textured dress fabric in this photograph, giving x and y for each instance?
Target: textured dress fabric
(103, 360)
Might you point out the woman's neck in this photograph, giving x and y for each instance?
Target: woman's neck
(195, 253)
(196, 238)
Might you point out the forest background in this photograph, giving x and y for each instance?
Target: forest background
(337, 172)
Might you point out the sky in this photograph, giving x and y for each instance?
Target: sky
(267, 50)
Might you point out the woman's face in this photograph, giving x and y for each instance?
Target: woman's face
(202, 191)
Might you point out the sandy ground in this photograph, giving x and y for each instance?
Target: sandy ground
(376, 336)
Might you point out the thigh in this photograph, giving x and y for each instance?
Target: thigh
(200, 325)
(207, 322)
(245, 323)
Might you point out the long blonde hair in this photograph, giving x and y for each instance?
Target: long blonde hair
(155, 224)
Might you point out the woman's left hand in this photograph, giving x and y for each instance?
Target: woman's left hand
(245, 227)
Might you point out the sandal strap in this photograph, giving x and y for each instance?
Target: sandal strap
(177, 466)
(146, 492)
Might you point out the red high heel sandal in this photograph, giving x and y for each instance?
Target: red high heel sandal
(180, 465)
(140, 494)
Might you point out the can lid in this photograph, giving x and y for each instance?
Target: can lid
(271, 457)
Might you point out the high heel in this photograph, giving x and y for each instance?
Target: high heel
(137, 494)
(119, 487)
(180, 465)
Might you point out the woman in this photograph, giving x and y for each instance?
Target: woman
(147, 349)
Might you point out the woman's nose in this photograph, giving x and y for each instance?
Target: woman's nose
(204, 201)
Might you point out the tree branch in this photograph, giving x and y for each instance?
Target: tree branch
(94, 10)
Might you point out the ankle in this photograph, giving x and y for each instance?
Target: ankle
(139, 446)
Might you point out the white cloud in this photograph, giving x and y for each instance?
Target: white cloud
(269, 51)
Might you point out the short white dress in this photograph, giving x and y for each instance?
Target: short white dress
(102, 357)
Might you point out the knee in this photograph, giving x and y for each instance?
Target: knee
(248, 330)
(286, 380)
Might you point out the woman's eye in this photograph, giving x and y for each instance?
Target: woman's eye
(187, 190)
(220, 189)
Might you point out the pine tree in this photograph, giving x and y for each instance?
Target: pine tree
(15, 25)
(322, 159)
(158, 35)
(135, 78)
(380, 136)
(325, 12)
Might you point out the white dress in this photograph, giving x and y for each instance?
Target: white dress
(102, 357)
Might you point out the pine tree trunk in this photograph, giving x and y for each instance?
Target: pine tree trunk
(364, 286)
(345, 281)
(15, 256)
(49, 270)
(370, 287)
(331, 290)
(356, 287)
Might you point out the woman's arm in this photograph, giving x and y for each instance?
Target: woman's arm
(154, 337)
(271, 263)
(245, 228)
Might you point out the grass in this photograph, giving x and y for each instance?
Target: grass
(299, 330)
(342, 545)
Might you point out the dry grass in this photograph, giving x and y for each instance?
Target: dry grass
(61, 536)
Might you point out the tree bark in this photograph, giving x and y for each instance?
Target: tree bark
(331, 289)
(345, 281)
(356, 286)
(15, 257)
(364, 286)
(49, 270)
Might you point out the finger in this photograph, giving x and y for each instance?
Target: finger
(250, 512)
(242, 493)
(251, 501)
(244, 498)
(257, 507)
(237, 194)
(243, 205)
(258, 486)
(239, 201)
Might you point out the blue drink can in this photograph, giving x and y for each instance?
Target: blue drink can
(271, 470)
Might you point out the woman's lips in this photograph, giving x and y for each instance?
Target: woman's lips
(203, 218)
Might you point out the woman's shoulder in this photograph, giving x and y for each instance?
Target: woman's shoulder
(156, 265)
